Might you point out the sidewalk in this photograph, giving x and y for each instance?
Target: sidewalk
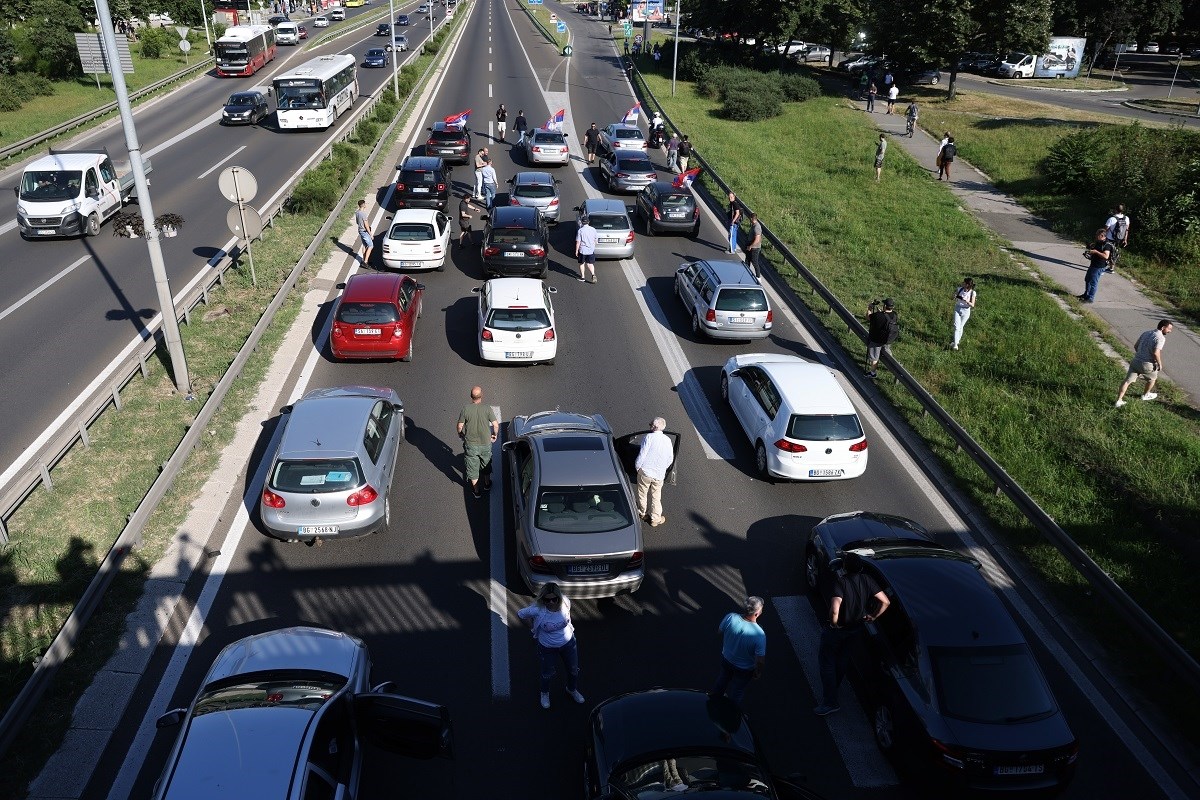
(1119, 301)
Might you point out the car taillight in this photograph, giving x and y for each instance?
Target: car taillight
(538, 564)
(441, 187)
(548, 336)
(696, 212)
(770, 316)
(491, 250)
(859, 447)
(653, 176)
(537, 251)
(657, 215)
(513, 201)
(636, 559)
(431, 143)
(486, 335)
(272, 500)
(397, 332)
(957, 757)
(365, 495)
(790, 447)
(629, 238)
(537, 149)
(554, 201)
(622, 175)
(710, 315)
(337, 330)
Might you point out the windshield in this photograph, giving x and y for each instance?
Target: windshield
(518, 319)
(452, 136)
(316, 475)
(665, 778)
(51, 185)
(1014, 58)
(741, 300)
(375, 52)
(635, 165)
(677, 202)
(242, 100)
(990, 684)
(533, 190)
(549, 138)
(824, 427)
(629, 133)
(582, 509)
(295, 693)
(299, 95)
(230, 54)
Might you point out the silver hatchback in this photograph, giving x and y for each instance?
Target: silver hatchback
(332, 470)
(627, 171)
(614, 226)
(537, 190)
(547, 147)
(724, 300)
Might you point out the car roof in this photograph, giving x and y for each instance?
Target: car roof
(300, 647)
(371, 286)
(732, 273)
(442, 125)
(603, 205)
(67, 161)
(666, 187)
(534, 178)
(619, 128)
(859, 528)
(414, 215)
(523, 292)
(513, 216)
(325, 427)
(575, 458)
(631, 154)
(426, 163)
(559, 420)
(807, 388)
(378, 51)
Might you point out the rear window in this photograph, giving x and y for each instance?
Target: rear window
(677, 201)
(629, 133)
(583, 509)
(317, 475)
(453, 137)
(515, 236)
(518, 319)
(990, 684)
(549, 138)
(362, 313)
(824, 427)
(609, 222)
(411, 232)
(424, 177)
(741, 300)
(635, 165)
(533, 190)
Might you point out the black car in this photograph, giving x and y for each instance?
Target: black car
(655, 743)
(275, 20)
(376, 57)
(424, 182)
(402, 19)
(383, 29)
(516, 243)
(953, 689)
(245, 108)
(450, 142)
(668, 208)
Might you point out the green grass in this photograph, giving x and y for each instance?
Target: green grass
(1178, 106)
(1029, 384)
(1087, 84)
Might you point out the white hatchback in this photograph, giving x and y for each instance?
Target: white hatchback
(321, 22)
(800, 421)
(419, 238)
(516, 321)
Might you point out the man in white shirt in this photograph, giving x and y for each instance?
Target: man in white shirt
(653, 461)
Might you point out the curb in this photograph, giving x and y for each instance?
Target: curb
(1163, 112)
(1122, 88)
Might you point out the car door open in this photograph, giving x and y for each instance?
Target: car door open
(630, 444)
(402, 725)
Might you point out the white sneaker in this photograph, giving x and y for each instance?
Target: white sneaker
(953, 347)
(545, 699)
(576, 696)
(1120, 403)
(1150, 396)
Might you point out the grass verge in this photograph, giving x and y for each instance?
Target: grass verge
(1030, 384)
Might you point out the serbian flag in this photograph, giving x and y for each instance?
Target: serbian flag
(684, 179)
(631, 116)
(458, 120)
(556, 121)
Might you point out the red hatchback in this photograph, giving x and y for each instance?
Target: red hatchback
(376, 317)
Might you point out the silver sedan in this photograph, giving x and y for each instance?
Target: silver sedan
(537, 190)
(614, 226)
(546, 147)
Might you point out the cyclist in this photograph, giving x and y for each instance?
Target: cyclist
(911, 116)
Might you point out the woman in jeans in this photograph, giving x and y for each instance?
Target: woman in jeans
(550, 620)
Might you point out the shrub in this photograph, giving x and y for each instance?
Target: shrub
(693, 66)
(317, 192)
(152, 46)
(720, 80)
(9, 99)
(367, 133)
(797, 88)
(763, 101)
(345, 161)
(30, 85)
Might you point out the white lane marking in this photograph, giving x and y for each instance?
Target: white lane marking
(8, 226)
(849, 728)
(489, 66)
(497, 593)
(179, 137)
(209, 171)
(489, 91)
(17, 305)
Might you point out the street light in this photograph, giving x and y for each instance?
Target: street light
(675, 60)
(395, 52)
(207, 35)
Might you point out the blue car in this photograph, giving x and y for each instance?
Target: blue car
(377, 57)
(402, 19)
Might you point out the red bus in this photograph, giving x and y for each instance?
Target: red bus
(244, 50)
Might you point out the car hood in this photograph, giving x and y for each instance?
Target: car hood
(1018, 737)
(289, 648)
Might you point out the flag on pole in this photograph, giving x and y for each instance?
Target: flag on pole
(458, 120)
(631, 116)
(555, 123)
(684, 179)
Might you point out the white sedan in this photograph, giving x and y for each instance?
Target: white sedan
(419, 238)
(799, 420)
(516, 321)
(321, 22)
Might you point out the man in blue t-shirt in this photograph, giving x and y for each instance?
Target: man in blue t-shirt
(743, 651)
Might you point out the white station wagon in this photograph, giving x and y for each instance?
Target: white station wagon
(419, 238)
(516, 321)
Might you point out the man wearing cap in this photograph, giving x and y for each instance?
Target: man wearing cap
(488, 180)
(585, 249)
(654, 459)
(883, 328)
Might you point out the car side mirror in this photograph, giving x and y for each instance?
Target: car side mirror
(558, 181)
(485, 217)
(387, 687)
(429, 129)
(737, 373)
(420, 287)
(286, 410)
(171, 718)
(341, 286)
(477, 289)
(551, 290)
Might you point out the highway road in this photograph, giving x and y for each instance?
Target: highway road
(421, 594)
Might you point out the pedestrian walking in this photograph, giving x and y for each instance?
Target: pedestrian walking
(521, 126)
(591, 141)
(755, 246)
(1147, 361)
(685, 153)
(465, 218)
(488, 180)
(550, 622)
(655, 457)
(743, 650)
(478, 428)
(883, 328)
(364, 231)
(941, 167)
(673, 152)
(501, 121)
(733, 217)
(964, 302)
(1116, 229)
(872, 93)
(481, 159)
(1100, 252)
(856, 600)
(911, 115)
(948, 152)
(892, 93)
(585, 249)
(880, 152)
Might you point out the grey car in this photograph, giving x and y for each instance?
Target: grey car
(614, 226)
(574, 510)
(627, 171)
(331, 473)
(537, 190)
(619, 136)
(286, 714)
(547, 147)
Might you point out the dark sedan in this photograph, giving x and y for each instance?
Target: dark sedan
(516, 243)
(450, 142)
(383, 29)
(668, 208)
(858, 63)
(245, 108)
(377, 57)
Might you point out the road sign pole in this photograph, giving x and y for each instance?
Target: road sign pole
(242, 216)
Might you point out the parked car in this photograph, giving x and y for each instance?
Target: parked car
(450, 142)
(419, 238)
(633, 739)
(423, 182)
(795, 47)
(1017, 65)
(921, 76)
(302, 31)
(614, 228)
(320, 22)
(516, 242)
(1151, 47)
(297, 707)
(383, 29)
(627, 170)
(1172, 48)
(377, 57)
(858, 63)
(724, 300)
(331, 473)
(516, 321)
(618, 136)
(665, 207)
(402, 19)
(547, 147)
(376, 317)
(537, 190)
(797, 417)
(816, 52)
(245, 108)
(275, 20)
(954, 691)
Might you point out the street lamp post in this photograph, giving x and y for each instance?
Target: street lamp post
(207, 35)
(675, 60)
(395, 52)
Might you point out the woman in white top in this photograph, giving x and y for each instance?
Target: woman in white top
(550, 620)
(964, 301)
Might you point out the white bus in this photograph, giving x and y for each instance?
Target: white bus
(244, 49)
(315, 94)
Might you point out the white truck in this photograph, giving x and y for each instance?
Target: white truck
(72, 193)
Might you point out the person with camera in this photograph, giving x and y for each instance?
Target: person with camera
(1100, 253)
(883, 328)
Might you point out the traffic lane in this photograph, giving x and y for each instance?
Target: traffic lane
(1090, 102)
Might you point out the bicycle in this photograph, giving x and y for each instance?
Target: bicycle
(912, 122)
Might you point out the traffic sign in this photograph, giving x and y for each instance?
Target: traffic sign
(553, 17)
(237, 184)
(562, 26)
(567, 50)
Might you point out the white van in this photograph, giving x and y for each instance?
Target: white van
(287, 33)
(1018, 65)
(336, 14)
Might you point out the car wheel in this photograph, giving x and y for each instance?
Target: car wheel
(760, 461)
(408, 356)
(724, 387)
(649, 227)
(811, 571)
(612, 185)
(92, 227)
(695, 231)
(934, 81)
(550, 362)
(441, 267)
(884, 723)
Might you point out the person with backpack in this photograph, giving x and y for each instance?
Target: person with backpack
(685, 154)
(883, 328)
(1116, 229)
(911, 116)
(946, 157)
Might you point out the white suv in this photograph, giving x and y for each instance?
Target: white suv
(516, 321)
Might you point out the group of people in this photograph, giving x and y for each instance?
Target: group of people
(1104, 252)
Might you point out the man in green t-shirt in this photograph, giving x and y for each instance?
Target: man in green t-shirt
(478, 427)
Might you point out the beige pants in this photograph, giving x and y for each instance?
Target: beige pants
(649, 498)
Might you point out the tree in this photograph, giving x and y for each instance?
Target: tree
(8, 53)
(51, 34)
(837, 22)
(924, 33)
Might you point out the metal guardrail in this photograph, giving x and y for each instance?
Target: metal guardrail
(1179, 659)
(64, 642)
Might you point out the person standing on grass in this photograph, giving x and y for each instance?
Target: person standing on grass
(872, 93)
(501, 121)
(734, 218)
(685, 154)
(478, 428)
(1117, 228)
(893, 93)
(752, 249)
(964, 302)
(863, 80)
(883, 328)
(1146, 361)
(364, 231)
(948, 152)
(1100, 252)
(880, 152)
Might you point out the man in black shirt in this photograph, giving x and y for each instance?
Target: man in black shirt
(856, 600)
(1100, 252)
(521, 126)
(883, 328)
(465, 218)
(591, 140)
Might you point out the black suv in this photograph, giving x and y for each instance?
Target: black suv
(424, 182)
(665, 207)
(450, 142)
(516, 242)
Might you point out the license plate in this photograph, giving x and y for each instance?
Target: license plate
(826, 473)
(741, 320)
(588, 569)
(45, 232)
(676, 215)
(519, 354)
(1024, 769)
(318, 530)
(610, 241)
(367, 331)
(420, 190)
(404, 264)
(514, 254)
